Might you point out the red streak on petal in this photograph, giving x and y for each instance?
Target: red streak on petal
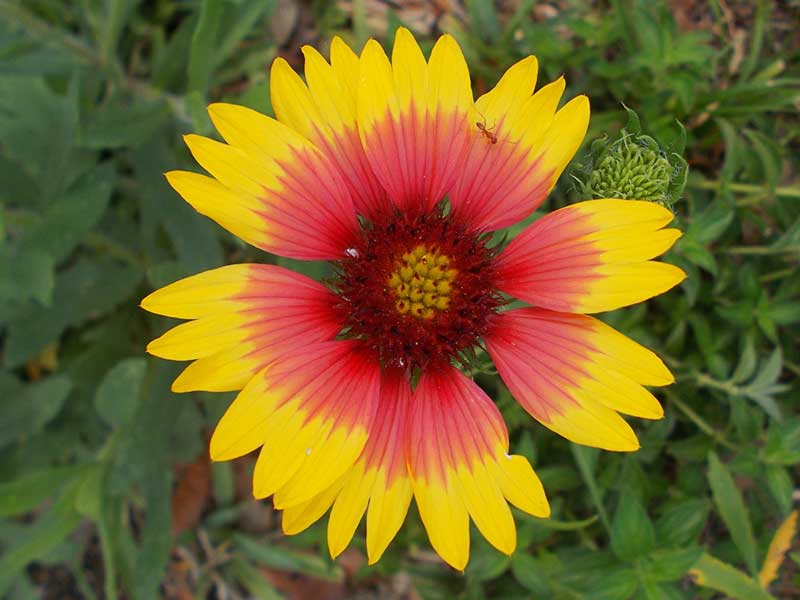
(384, 447)
(454, 424)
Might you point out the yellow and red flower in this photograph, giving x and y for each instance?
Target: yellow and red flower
(389, 170)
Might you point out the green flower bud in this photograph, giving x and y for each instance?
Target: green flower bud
(633, 166)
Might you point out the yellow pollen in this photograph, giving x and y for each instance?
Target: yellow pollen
(422, 282)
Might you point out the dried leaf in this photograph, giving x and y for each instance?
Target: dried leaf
(778, 547)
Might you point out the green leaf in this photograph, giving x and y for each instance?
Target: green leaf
(93, 502)
(29, 490)
(731, 508)
(660, 591)
(26, 274)
(632, 532)
(23, 54)
(146, 459)
(485, 562)
(67, 221)
(87, 289)
(41, 537)
(618, 584)
(783, 443)
(204, 43)
(671, 564)
(714, 574)
(781, 487)
(484, 18)
(19, 188)
(253, 581)
(586, 459)
(38, 127)
(747, 363)
(279, 557)
(709, 226)
(120, 124)
(770, 371)
(118, 396)
(195, 240)
(699, 255)
(762, 388)
(246, 17)
(528, 572)
(756, 39)
(31, 407)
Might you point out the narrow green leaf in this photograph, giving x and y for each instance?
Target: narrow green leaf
(243, 24)
(116, 11)
(41, 537)
(747, 363)
(253, 581)
(586, 458)
(714, 574)
(770, 370)
(484, 18)
(756, 38)
(279, 557)
(204, 43)
(29, 490)
(93, 502)
(781, 487)
(731, 508)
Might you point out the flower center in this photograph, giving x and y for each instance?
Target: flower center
(417, 289)
(422, 283)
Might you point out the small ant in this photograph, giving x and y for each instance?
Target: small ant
(486, 131)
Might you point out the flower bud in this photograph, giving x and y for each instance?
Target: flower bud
(634, 166)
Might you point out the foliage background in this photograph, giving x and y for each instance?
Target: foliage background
(105, 486)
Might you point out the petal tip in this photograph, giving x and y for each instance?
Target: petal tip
(279, 63)
(171, 176)
(335, 547)
(404, 32)
(627, 445)
(181, 387)
(146, 303)
(546, 512)
(152, 347)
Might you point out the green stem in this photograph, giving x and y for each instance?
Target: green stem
(763, 250)
(102, 243)
(699, 421)
(746, 188)
(780, 274)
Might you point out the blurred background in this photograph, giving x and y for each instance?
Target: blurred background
(106, 490)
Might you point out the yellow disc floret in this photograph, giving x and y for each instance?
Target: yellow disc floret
(422, 282)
